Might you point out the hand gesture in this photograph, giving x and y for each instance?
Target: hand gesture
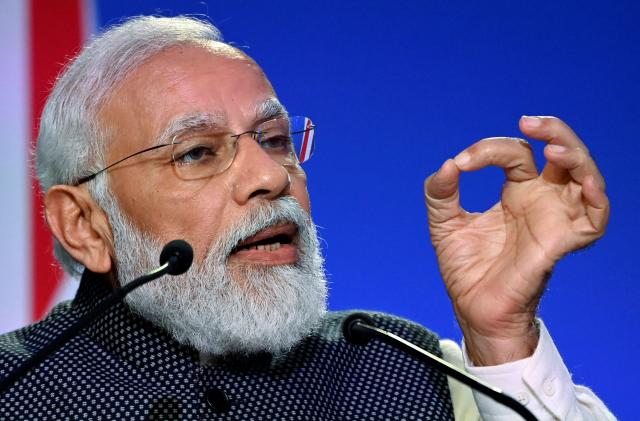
(495, 264)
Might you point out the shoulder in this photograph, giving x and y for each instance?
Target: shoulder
(17, 346)
(331, 327)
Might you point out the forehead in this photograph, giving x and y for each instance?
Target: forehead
(213, 79)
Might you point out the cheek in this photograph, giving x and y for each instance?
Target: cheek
(135, 202)
(198, 217)
(195, 213)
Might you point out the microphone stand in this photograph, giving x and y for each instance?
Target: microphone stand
(72, 330)
(176, 258)
(359, 329)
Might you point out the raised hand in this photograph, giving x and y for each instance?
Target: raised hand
(495, 264)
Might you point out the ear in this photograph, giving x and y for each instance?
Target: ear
(80, 226)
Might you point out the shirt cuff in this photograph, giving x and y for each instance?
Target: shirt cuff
(541, 382)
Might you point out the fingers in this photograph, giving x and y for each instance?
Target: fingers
(442, 194)
(511, 154)
(575, 161)
(597, 203)
(568, 158)
(442, 188)
(555, 132)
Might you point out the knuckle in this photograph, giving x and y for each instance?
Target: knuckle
(491, 149)
(487, 152)
(477, 149)
(521, 143)
(553, 126)
(582, 157)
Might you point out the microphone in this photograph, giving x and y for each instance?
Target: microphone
(359, 329)
(176, 258)
(178, 254)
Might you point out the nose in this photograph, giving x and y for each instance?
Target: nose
(257, 174)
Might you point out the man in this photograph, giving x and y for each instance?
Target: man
(159, 131)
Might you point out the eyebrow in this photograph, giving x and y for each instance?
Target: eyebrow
(269, 109)
(195, 121)
(266, 110)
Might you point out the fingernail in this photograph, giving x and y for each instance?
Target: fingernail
(531, 122)
(462, 158)
(556, 148)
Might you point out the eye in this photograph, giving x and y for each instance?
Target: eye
(194, 154)
(195, 151)
(276, 143)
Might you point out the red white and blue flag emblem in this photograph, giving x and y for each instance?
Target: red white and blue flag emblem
(302, 131)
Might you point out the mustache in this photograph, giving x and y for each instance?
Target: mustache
(282, 210)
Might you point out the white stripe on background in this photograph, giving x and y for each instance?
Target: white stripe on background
(15, 209)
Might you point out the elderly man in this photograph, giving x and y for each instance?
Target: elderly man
(157, 131)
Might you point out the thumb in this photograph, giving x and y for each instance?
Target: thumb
(442, 194)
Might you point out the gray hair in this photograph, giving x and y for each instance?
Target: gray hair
(71, 143)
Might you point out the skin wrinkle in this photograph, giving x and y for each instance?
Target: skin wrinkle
(568, 194)
(526, 173)
(575, 196)
(435, 208)
(266, 110)
(484, 275)
(581, 159)
(519, 272)
(193, 121)
(441, 236)
(536, 241)
(453, 274)
(523, 164)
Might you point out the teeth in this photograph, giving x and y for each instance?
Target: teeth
(267, 247)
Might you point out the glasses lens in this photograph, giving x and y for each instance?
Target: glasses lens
(275, 139)
(302, 131)
(202, 155)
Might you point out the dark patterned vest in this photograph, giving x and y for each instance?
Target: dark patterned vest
(124, 368)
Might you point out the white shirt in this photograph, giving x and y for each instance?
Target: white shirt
(541, 382)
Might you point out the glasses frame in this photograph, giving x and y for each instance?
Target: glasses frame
(253, 134)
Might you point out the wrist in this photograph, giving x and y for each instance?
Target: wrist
(490, 350)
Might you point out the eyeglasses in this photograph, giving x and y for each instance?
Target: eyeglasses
(208, 152)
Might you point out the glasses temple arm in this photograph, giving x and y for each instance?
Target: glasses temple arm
(95, 174)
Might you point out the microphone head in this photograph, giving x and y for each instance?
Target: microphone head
(179, 255)
(352, 331)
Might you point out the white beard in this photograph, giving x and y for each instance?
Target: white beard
(218, 310)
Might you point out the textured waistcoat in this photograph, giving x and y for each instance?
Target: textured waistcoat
(124, 368)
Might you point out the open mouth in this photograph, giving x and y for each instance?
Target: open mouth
(274, 245)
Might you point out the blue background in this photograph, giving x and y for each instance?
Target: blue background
(397, 88)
